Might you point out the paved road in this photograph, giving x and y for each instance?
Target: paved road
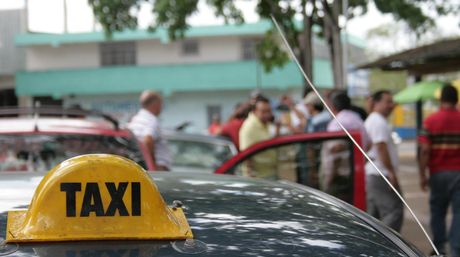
(415, 197)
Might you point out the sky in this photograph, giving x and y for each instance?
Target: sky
(48, 16)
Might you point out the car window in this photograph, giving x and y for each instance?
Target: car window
(326, 165)
(202, 155)
(42, 152)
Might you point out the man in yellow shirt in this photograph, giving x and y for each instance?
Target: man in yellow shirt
(256, 129)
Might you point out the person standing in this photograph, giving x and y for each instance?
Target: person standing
(292, 120)
(231, 129)
(319, 117)
(345, 113)
(215, 126)
(382, 202)
(256, 129)
(440, 155)
(335, 154)
(146, 127)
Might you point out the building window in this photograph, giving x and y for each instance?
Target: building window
(8, 98)
(248, 47)
(190, 47)
(117, 53)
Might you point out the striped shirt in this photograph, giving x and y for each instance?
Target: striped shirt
(441, 131)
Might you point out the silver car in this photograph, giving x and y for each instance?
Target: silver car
(198, 153)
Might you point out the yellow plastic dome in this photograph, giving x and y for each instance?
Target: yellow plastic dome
(97, 197)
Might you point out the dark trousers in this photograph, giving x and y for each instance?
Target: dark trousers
(445, 190)
(383, 203)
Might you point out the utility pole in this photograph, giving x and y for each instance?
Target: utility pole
(345, 45)
(25, 17)
(66, 29)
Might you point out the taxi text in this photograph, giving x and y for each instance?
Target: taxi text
(92, 200)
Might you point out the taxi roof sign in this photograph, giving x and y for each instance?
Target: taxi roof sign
(97, 197)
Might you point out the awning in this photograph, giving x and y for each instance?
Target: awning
(438, 57)
(421, 91)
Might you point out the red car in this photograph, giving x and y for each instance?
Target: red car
(36, 139)
(310, 159)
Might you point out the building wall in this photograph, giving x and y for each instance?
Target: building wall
(11, 57)
(148, 52)
(211, 49)
(6, 82)
(62, 57)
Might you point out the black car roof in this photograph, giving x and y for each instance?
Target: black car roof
(233, 216)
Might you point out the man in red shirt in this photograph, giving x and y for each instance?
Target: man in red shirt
(440, 153)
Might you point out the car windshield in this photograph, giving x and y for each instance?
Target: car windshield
(204, 156)
(42, 152)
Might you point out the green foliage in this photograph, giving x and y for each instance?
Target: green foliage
(411, 13)
(269, 52)
(115, 15)
(172, 14)
(357, 8)
(226, 9)
(414, 15)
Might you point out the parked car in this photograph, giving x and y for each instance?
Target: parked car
(36, 139)
(228, 215)
(305, 159)
(199, 153)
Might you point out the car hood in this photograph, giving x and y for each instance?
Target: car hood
(231, 216)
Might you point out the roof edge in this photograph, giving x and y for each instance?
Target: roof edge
(245, 29)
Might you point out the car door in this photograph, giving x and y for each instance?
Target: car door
(327, 161)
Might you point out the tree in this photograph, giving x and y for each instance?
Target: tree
(296, 18)
(409, 11)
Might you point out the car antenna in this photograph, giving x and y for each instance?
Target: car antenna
(291, 53)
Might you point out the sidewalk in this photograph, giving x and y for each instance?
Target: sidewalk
(407, 149)
(415, 197)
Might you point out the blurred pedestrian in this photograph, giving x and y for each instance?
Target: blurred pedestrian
(302, 108)
(256, 129)
(254, 95)
(319, 117)
(440, 153)
(308, 154)
(345, 113)
(231, 129)
(146, 127)
(292, 120)
(335, 153)
(360, 111)
(382, 202)
(215, 126)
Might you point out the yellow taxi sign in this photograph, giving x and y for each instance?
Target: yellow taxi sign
(97, 197)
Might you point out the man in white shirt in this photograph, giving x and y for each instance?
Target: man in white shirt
(382, 202)
(146, 127)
